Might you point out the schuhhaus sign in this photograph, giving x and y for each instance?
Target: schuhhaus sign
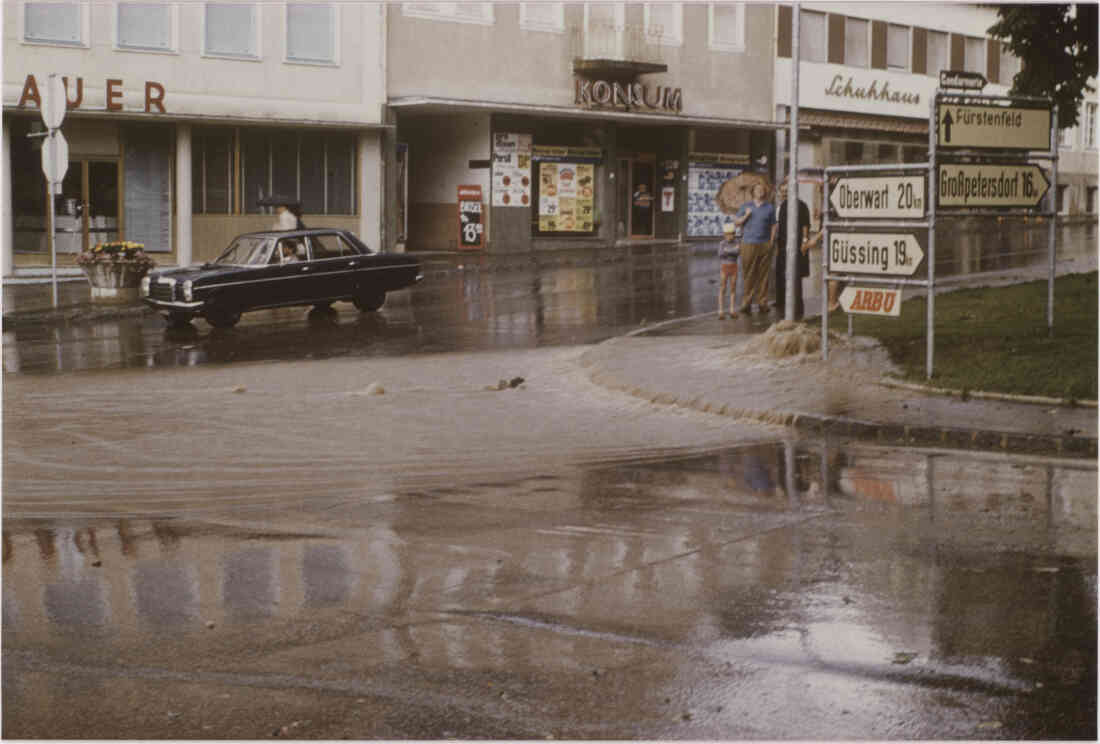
(627, 95)
(877, 90)
(74, 94)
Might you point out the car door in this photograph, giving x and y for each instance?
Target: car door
(293, 273)
(334, 262)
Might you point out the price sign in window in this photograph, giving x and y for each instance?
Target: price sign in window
(470, 226)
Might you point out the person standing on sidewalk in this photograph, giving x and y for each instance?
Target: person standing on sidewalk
(757, 218)
(803, 269)
(729, 252)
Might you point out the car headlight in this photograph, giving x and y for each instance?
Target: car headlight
(187, 296)
(145, 286)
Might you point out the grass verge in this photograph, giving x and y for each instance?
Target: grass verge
(996, 339)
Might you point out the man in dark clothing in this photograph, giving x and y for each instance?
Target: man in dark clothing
(781, 255)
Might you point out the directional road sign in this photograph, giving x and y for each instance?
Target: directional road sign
(867, 301)
(993, 127)
(55, 157)
(874, 253)
(991, 185)
(962, 79)
(890, 197)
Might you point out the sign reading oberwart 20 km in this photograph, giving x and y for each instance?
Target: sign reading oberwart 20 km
(993, 127)
(890, 197)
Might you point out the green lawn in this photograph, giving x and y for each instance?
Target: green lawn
(996, 340)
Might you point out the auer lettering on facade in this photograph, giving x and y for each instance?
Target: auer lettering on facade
(878, 90)
(629, 95)
(74, 94)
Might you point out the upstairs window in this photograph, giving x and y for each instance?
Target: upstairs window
(54, 23)
(813, 37)
(974, 60)
(457, 12)
(1090, 126)
(311, 33)
(726, 22)
(937, 53)
(231, 30)
(1010, 66)
(857, 51)
(146, 26)
(603, 30)
(664, 23)
(542, 16)
(897, 47)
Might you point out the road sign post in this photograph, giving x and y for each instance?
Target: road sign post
(55, 158)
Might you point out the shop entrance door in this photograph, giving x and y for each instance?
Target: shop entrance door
(636, 198)
(88, 208)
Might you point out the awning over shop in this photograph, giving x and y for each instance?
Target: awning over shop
(429, 104)
(839, 120)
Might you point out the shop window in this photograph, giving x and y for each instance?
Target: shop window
(888, 153)
(563, 198)
(727, 26)
(813, 38)
(914, 155)
(603, 30)
(316, 169)
(311, 33)
(211, 171)
(457, 12)
(146, 27)
(897, 47)
(664, 23)
(1010, 66)
(1090, 126)
(974, 55)
(1060, 206)
(937, 53)
(54, 23)
(28, 189)
(231, 30)
(1090, 200)
(542, 16)
(856, 42)
(147, 184)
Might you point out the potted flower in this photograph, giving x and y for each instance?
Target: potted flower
(114, 269)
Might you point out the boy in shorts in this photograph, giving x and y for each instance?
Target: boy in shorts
(729, 251)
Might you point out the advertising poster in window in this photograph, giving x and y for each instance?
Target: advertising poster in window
(511, 170)
(566, 197)
(470, 227)
(706, 174)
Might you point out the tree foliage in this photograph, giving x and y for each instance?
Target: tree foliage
(1057, 45)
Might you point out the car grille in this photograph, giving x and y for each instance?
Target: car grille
(161, 291)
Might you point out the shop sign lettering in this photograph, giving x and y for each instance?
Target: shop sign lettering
(627, 95)
(878, 90)
(74, 94)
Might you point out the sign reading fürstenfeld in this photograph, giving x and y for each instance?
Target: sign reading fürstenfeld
(993, 127)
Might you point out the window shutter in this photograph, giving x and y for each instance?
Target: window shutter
(993, 60)
(784, 43)
(836, 39)
(958, 52)
(920, 51)
(878, 45)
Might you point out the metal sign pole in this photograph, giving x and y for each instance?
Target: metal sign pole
(793, 244)
(933, 198)
(53, 238)
(825, 270)
(1052, 230)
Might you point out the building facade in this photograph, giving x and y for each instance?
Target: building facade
(579, 124)
(868, 75)
(181, 116)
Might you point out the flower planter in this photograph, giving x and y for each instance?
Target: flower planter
(115, 281)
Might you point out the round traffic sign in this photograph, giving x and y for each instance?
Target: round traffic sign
(55, 157)
(54, 102)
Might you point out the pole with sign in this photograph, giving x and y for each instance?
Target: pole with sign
(55, 158)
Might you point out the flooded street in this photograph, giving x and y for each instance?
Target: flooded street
(792, 589)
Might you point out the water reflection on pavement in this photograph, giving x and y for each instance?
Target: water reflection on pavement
(800, 589)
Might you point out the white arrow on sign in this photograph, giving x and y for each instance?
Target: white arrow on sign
(874, 253)
(867, 301)
(54, 102)
(55, 157)
(991, 185)
(893, 197)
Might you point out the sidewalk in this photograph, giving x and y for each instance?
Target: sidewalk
(709, 365)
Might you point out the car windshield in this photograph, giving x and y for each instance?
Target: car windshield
(246, 251)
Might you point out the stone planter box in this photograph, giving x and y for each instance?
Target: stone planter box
(115, 281)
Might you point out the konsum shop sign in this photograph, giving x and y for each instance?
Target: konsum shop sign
(627, 95)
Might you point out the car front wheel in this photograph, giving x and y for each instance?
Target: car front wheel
(222, 318)
(178, 320)
(369, 300)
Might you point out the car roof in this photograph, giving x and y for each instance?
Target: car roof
(294, 233)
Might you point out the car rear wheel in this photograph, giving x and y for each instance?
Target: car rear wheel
(222, 318)
(369, 300)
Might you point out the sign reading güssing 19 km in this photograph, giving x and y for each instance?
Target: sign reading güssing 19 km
(879, 197)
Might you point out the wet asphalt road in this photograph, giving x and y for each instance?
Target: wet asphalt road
(198, 548)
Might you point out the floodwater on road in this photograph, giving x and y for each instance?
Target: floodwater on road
(498, 301)
(803, 589)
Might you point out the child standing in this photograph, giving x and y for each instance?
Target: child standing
(729, 251)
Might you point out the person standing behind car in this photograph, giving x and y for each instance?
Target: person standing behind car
(757, 218)
(781, 255)
(285, 219)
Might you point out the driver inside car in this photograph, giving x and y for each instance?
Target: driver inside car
(286, 252)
